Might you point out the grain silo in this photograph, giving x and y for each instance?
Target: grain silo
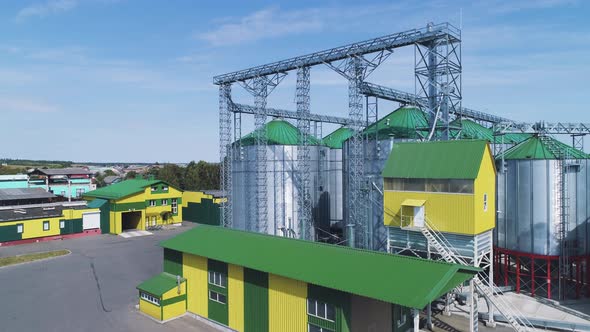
(282, 182)
(541, 238)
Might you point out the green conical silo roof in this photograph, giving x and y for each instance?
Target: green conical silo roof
(279, 132)
(536, 148)
(401, 123)
(473, 130)
(337, 137)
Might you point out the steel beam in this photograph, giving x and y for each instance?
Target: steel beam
(549, 128)
(382, 92)
(410, 37)
(304, 205)
(225, 153)
(280, 113)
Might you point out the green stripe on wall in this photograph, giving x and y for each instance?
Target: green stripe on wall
(255, 301)
(119, 207)
(173, 262)
(173, 300)
(340, 300)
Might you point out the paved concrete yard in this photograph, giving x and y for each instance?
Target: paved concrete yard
(92, 289)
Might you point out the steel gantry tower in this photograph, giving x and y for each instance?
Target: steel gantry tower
(438, 76)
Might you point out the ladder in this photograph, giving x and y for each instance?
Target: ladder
(516, 319)
(560, 194)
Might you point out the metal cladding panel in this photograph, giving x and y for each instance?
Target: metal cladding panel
(333, 184)
(500, 230)
(529, 213)
(578, 206)
(377, 153)
(282, 188)
(287, 304)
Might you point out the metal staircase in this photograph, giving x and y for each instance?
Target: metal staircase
(442, 246)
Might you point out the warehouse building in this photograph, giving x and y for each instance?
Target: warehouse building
(253, 282)
(202, 206)
(136, 204)
(14, 181)
(27, 220)
(66, 182)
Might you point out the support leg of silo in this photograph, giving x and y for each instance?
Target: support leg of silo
(491, 322)
(416, 315)
(447, 309)
(429, 316)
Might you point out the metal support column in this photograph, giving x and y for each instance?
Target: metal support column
(303, 156)
(260, 199)
(416, 316)
(225, 153)
(473, 310)
(357, 208)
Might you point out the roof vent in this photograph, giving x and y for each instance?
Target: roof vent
(49, 208)
(21, 211)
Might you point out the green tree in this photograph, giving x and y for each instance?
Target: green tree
(171, 173)
(191, 177)
(130, 175)
(109, 172)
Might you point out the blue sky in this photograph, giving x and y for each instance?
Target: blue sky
(108, 80)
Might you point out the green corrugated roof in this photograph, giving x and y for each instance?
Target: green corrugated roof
(401, 123)
(122, 189)
(410, 282)
(159, 284)
(535, 148)
(337, 137)
(96, 203)
(279, 132)
(435, 160)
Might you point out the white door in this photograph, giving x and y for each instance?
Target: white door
(419, 216)
(91, 220)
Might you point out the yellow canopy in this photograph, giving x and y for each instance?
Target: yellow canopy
(413, 202)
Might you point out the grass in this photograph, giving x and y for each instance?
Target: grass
(12, 260)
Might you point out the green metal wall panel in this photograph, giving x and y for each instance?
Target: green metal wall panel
(396, 315)
(218, 311)
(9, 233)
(123, 207)
(255, 301)
(338, 299)
(173, 262)
(205, 212)
(71, 226)
(105, 215)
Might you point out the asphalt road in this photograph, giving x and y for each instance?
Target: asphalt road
(92, 289)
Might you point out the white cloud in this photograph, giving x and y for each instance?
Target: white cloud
(504, 7)
(263, 24)
(46, 8)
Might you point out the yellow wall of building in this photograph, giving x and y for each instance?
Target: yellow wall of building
(193, 197)
(175, 309)
(485, 184)
(194, 270)
(139, 197)
(150, 309)
(33, 228)
(77, 214)
(235, 288)
(287, 304)
(172, 193)
(451, 213)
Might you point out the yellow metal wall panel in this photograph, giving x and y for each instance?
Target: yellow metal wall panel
(150, 309)
(286, 304)
(76, 213)
(193, 197)
(235, 296)
(485, 184)
(194, 270)
(173, 310)
(174, 292)
(452, 213)
(33, 228)
(115, 221)
(139, 197)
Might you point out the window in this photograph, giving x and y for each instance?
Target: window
(458, 186)
(153, 220)
(165, 188)
(80, 192)
(46, 225)
(164, 202)
(19, 228)
(314, 328)
(150, 298)
(217, 297)
(174, 205)
(63, 193)
(485, 202)
(217, 279)
(321, 310)
(62, 224)
(401, 313)
(154, 188)
(152, 202)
